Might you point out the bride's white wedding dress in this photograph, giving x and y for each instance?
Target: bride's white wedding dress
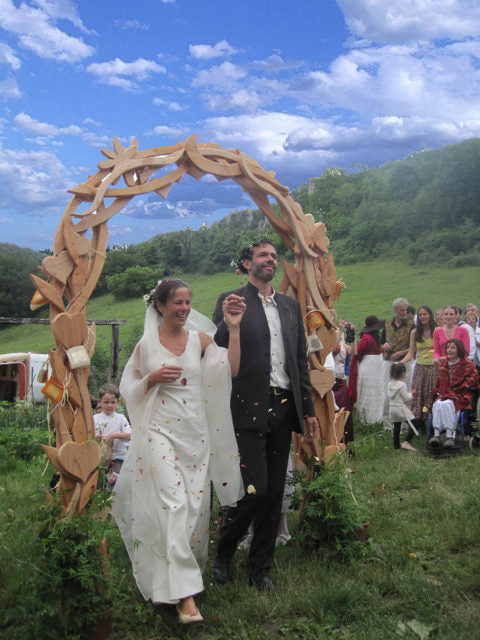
(182, 439)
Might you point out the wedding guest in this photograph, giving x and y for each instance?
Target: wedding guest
(472, 319)
(423, 380)
(457, 378)
(396, 340)
(365, 381)
(449, 330)
(400, 399)
(471, 333)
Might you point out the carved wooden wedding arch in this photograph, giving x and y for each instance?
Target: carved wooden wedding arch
(71, 274)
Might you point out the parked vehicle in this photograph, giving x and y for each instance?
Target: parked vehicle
(18, 376)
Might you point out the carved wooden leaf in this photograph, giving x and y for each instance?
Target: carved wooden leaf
(88, 489)
(79, 459)
(70, 329)
(328, 337)
(48, 291)
(291, 272)
(320, 237)
(58, 267)
(332, 450)
(322, 380)
(79, 430)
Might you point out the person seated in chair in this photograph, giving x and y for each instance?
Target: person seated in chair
(457, 379)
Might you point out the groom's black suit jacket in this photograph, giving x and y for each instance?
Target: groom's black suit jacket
(251, 387)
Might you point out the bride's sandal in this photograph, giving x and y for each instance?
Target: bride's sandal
(186, 618)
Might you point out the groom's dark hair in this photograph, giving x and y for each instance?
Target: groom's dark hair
(247, 252)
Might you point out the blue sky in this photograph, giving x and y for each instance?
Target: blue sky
(300, 85)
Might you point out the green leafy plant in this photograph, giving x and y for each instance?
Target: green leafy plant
(329, 514)
(23, 444)
(76, 575)
(22, 415)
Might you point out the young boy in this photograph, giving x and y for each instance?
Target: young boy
(110, 425)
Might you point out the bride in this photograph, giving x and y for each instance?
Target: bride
(177, 389)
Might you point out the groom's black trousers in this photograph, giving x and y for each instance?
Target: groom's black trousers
(263, 462)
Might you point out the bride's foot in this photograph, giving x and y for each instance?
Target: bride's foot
(187, 611)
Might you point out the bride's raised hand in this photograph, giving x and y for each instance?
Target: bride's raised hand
(233, 308)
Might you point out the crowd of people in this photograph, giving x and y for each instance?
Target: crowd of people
(215, 403)
(415, 364)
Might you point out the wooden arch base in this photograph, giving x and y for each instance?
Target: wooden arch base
(79, 254)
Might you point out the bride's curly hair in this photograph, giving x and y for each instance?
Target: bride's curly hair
(166, 288)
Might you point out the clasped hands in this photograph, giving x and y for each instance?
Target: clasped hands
(233, 308)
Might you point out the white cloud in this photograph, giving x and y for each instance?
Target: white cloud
(264, 133)
(27, 123)
(170, 105)
(206, 51)
(9, 89)
(32, 182)
(398, 21)
(163, 130)
(135, 25)
(8, 56)
(244, 99)
(37, 33)
(381, 133)
(117, 231)
(49, 131)
(116, 72)
(406, 81)
(219, 76)
(275, 64)
(93, 122)
(298, 147)
(62, 10)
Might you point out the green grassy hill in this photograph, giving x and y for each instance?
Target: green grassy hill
(370, 288)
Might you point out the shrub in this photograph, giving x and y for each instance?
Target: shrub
(134, 282)
(24, 444)
(329, 515)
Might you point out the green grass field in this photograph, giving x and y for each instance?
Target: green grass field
(418, 577)
(370, 289)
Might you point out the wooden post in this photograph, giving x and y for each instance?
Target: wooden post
(114, 351)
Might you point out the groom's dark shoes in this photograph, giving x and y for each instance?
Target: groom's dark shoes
(222, 570)
(264, 582)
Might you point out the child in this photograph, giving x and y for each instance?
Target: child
(399, 406)
(112, 426)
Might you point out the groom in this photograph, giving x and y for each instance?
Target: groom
(270, 398)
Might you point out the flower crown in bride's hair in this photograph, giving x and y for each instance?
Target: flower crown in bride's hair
(148, 297)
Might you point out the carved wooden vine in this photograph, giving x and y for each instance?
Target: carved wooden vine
(79, 254)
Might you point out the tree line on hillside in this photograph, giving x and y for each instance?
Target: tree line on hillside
(131, 271)
(424, 209)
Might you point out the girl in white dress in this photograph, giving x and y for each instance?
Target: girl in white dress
(177, 390)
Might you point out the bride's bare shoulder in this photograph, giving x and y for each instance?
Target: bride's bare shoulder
(204, 340)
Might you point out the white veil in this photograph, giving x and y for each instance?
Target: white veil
(224, 467)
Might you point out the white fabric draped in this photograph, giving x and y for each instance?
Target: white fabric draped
(182, 438)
